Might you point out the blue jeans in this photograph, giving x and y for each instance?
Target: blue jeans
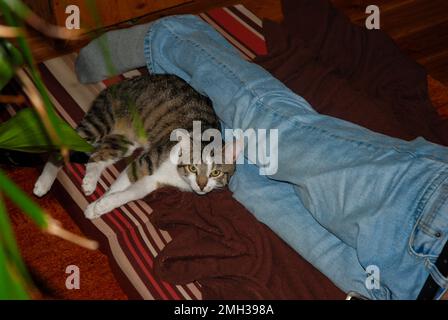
(356, 204)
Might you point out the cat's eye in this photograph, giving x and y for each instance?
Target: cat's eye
(192, 169)
(215, 173)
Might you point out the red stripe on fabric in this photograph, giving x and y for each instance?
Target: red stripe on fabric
(137, 216)
(246, 19)
(113, 80)
(60, 94)
(138, 241)
(131, 227)
(238, 31)
(91, 230)
(98, 193)
(150, 262)
(162, 238)
(76, 172)
(139, 261)
(242, 49)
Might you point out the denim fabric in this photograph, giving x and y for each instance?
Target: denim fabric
(344, 197)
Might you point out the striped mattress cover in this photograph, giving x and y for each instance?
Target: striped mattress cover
(126, 235)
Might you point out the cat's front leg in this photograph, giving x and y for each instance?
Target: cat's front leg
(93, 174)
(111, 201)
(47, 177)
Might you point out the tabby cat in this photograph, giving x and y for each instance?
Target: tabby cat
(141, 113)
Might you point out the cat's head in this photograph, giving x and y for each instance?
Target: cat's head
(208, 175)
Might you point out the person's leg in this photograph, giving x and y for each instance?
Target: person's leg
(275, 204)
(381, 196)
(112, 53)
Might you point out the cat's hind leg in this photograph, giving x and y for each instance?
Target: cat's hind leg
(93, 174)
(121, 183)
(111, 149)
(140, 167)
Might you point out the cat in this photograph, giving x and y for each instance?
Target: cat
(141, 113)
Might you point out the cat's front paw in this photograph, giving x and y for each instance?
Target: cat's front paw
(41, 187)
(90, 212)
(89, 185)
(104, 205)
(98, 208)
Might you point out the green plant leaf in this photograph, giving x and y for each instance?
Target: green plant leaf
(14, 54)
(22, 201)
(22, 10)
(25, 132)
(18, 7)
(10, 59)
(6, 69)
(7, 239)
(11, 288)
(13, 273)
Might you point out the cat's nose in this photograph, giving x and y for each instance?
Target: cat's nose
(201, 182)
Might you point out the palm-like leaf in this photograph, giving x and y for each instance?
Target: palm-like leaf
(25, 132)
(31, 130)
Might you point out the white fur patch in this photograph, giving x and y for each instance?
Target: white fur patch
(93, 174)
(167, 174)
(122, 191)
(121, 183)
(46, 179)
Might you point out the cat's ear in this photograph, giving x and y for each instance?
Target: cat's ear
(232, 150)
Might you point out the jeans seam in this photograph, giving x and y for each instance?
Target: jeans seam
(334, 136)
(147, 50)
(198, 46)
(441, 280)
(420, 211)
(427, 223)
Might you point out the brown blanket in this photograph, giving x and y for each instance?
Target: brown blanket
(217, 242)
(343, 71)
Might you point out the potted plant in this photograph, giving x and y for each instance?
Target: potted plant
(35, 129)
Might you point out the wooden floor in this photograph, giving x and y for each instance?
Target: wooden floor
(419, 27)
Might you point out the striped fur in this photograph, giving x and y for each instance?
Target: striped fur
(141, 113)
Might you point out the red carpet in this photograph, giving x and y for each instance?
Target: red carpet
(47, 257)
